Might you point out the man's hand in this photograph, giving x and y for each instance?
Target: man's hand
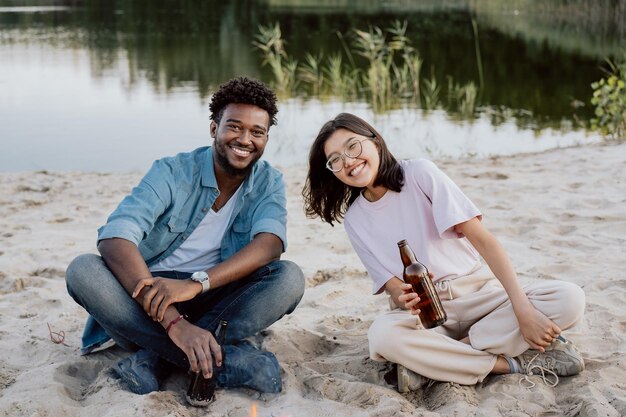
(199, 345)
(538, 330)
(159, 293)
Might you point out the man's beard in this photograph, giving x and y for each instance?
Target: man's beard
(222, 160)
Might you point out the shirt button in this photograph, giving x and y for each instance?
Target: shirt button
(184, 237)
(204, 209)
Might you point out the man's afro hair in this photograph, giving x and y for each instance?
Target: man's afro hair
(243, 90)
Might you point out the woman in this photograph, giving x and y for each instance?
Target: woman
(494, 324)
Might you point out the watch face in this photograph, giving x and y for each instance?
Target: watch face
(199, 276)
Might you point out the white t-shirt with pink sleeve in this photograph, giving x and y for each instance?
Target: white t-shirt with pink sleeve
(424, 213)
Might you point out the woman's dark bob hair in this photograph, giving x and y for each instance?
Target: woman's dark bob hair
(324, 194)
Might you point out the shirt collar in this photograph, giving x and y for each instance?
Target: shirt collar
(208, 172)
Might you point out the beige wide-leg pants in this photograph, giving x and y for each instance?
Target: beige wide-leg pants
(477, 306)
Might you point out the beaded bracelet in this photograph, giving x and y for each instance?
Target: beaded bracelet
(173, 322)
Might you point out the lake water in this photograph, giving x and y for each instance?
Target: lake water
(110, 87)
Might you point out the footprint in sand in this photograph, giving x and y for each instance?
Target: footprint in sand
(554, 270)
(324, 275)
(48, 273)
(342, 322)
(609, 285)
(351, 392)
(29, 189)
(568, 216)
(441, 394)
(320, 277)
(566, 229)
(500, 206)
(81, 379)
(33, 203)
(7, 376)
(60, 220)
(512, 395)
(9, 286)
(352, 365)
(300, 345)
(491, 175)
(596, 403)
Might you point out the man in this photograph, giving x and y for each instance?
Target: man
(198, 241)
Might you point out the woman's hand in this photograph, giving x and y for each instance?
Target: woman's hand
(409, 298)
(538, 330)
(199, 345)
(160, 293)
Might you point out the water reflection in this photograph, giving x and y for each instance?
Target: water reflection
(81, 80)
(412, 134)
(68, 120)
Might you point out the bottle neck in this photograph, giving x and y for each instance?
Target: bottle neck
(407, 255)
(220, 332)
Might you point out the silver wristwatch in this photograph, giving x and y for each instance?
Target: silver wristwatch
(203, 278)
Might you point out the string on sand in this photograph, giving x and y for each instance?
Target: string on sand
(57, 337)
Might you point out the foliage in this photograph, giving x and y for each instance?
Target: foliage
(269, 41)
(609, 99)
(388, 74)
(462, 97)
(431, 93)
(312, 74)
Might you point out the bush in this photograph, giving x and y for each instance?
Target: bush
(609, 99)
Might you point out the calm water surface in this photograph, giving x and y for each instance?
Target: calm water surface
(110, 87)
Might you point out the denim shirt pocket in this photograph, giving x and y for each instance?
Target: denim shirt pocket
(177, 224)
(242, 226)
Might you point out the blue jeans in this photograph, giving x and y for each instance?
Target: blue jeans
(250, 304)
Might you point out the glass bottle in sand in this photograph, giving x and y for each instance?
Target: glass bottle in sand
(202, 390)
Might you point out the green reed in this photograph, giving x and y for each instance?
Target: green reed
(431, 92)
(462, 98)
(269, 41)
(379, 66)
(311, 73)
(339, 79)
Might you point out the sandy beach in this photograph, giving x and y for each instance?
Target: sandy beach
(560, 214)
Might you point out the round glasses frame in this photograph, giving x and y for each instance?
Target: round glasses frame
(352, 150)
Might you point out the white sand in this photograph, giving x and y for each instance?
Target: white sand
(561, 215)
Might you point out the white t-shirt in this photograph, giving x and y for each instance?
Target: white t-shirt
(202, 248)
(424, 213)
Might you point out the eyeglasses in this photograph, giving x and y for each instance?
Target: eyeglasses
(352, 150)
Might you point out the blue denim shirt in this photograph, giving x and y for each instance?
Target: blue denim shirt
(173, 198)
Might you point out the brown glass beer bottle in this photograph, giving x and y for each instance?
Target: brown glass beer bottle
(201, 390)
(431, 313)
